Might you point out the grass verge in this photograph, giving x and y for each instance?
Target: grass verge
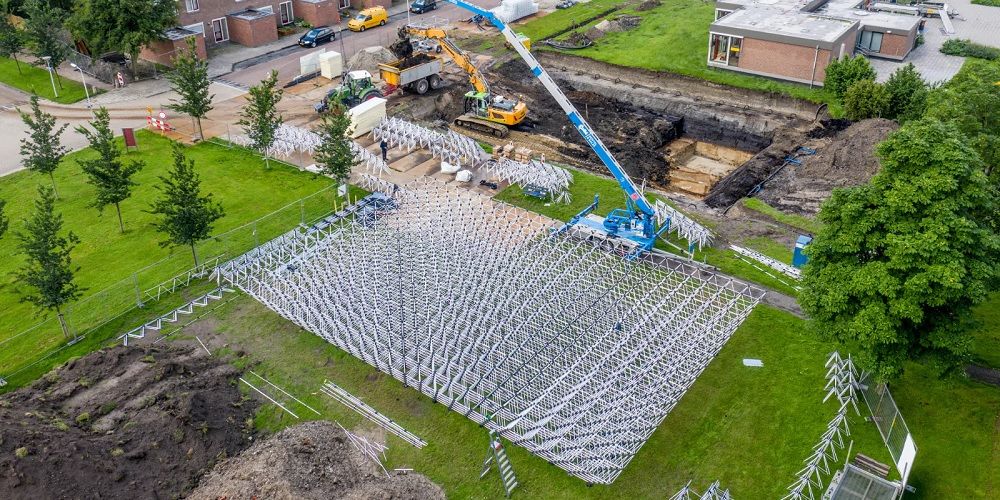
(32, 78)
(806, 224)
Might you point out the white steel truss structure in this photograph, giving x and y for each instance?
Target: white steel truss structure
(550, 178)
(450, 146)
(560, 346)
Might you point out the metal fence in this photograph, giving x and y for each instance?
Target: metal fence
(157, 281)
(890, 423)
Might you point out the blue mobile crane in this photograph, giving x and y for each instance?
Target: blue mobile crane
(636, 222)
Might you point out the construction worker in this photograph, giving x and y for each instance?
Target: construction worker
(385, 150)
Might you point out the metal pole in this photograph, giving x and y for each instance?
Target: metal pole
(48, 66)
(138, 294)
(84, 80)
(302, 212)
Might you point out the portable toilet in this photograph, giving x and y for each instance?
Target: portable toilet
(799, 259)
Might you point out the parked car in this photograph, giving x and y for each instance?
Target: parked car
(421, 6)
(317, 35)
(368, 18)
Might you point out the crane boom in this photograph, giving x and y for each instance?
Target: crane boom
(634, 196)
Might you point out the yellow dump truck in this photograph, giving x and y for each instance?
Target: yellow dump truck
(418, 73)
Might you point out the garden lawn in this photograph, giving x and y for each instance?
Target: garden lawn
(36, 79)
(235, 177)
(585, 185)
(672, 37)
(748, 428)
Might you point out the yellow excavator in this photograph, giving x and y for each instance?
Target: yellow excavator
(484, 111)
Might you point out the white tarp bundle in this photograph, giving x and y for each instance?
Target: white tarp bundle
(512, 10)
(309, 63)
(331, 64)
(366, 116)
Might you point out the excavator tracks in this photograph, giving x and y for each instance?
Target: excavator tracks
(478, 124)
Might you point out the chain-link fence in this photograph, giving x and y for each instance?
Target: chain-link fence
(888, 419)
(158, 280)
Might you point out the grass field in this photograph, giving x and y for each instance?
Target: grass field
(585, 185)
(235, 177)
(672, 37)
(807, 224)
(36, 79)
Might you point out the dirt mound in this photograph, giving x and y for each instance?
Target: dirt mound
(648, 5)
(847, 159)
(369, 58)
(314, 460)
(633, 134)
(121, 423)
(618, 24)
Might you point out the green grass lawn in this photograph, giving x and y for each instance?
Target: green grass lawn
(748, 428)
(35, 79)
(806, 224)
(672, 37)
(986, 335)
(235, 177)
(585, 185)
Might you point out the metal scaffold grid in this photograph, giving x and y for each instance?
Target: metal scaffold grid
(560, 346)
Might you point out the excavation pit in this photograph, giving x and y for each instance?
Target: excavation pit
(696, 166)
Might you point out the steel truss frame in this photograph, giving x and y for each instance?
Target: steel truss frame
(559, 345)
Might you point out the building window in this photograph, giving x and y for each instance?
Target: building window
(345, 4)
(720, 13)
(192, 5)
(220, 29)
(197, 28)
(870, 41)
(265, 8)
(724, 49)
(285, 9)
(735, 45)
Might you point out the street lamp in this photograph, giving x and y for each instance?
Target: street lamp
(48, 65)
(84, 79)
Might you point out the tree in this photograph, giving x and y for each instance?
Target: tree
(42, 150)
(866, 99)
(907, 94)
(260, 116)
(11, 39)
(186, 216)
(901, 261)
(190, 80)
(971, 101)
(334, 155)
(4, 221)
(48, 268)
(842, 73)
(42, 28)
(127, 27)
(108, 173)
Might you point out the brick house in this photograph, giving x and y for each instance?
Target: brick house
(795, 40)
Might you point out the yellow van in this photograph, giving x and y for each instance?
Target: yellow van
(368, 18)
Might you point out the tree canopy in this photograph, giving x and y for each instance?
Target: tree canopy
(42, 30)
(108, 173)
(901, 260)
(4, 220)
(48, 268)
(971, 101)
(42, 150)
(334, 155)
(842, 73)
(189, 79)
(186, 217)
(866, 99)
(907, 94)
(112, 25)
(11, 39)
(259, 117)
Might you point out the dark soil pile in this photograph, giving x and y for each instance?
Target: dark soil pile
(633, 134)
(648, 5)
(314, 460)
(845, 159)
(414, 60)
(121, 423)
(764, 164)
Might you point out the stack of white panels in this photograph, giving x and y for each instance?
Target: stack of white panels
(512, 10)
(331, 64)
(365, 116)
(309, 63)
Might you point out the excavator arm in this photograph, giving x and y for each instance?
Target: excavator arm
(456, 54)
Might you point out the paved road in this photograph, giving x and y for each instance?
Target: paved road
(347, 42)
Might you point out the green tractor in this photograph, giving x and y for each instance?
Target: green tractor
(356, 88)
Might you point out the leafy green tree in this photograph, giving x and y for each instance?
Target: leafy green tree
(259, 117)
(190, 80)
(971, 101)
(48, 268)
(42, 29)
(334, 155)
(186, 217)
(127, 27)
(901, 261)
(907, 94)
(866, 99)
(4, 220)
(42, 150)
(11, 38)
(108, 172)
(842, 73)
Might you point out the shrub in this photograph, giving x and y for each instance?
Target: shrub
(117, 452)
(83, 418)
(21, 452)
(843, 73)
(866, 99)
(907, 94)
(968, 48)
